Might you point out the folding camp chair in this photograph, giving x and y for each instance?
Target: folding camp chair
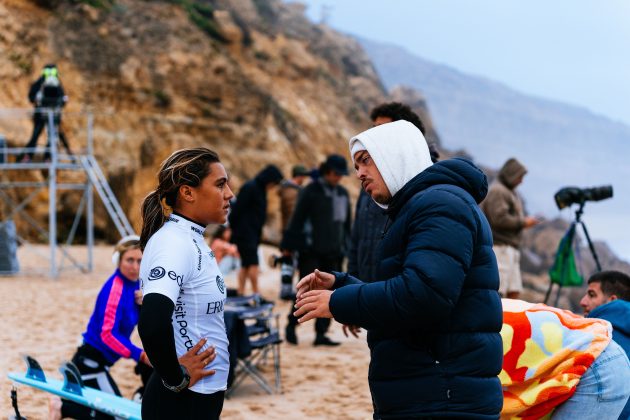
(261, 329)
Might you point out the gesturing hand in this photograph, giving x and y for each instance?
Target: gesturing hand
(313, 304)
(196, 361)
(317, 280)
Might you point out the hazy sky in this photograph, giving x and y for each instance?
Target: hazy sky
(575, 51)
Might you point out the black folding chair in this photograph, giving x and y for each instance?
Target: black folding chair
(261, 327)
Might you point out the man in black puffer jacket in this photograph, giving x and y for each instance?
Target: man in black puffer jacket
(434, 316)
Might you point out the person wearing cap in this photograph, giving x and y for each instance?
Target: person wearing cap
(319, 231)
(504, 210)
(288, 192)
(247, 218)
(433, 315)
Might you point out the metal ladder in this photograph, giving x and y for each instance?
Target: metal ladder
(97, 178)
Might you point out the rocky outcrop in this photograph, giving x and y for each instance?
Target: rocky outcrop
(255, 81)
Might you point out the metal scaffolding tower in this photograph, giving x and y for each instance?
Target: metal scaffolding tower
(12, 164)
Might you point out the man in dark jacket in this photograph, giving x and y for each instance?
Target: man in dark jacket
(319, 231)
(434, 315)
(47, 95)
(247, 219)
(370, 219)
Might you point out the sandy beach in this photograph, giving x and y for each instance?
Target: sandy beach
(44, 317)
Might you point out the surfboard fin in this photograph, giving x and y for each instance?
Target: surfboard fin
(76, 372)
(72, 382)
(33, 369)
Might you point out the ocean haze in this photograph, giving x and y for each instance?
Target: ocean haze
(560, 144)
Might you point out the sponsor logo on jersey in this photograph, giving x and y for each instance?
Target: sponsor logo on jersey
(197, 230)
(198, 255)
(212, 254)
(182, 323)
(214, 307)
(220, 284)
(173, 276)
(156, 273)
(172, 219)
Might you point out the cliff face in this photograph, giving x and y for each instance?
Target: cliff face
(253, 80)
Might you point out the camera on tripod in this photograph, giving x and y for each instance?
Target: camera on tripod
(564, 271)
(574, 195)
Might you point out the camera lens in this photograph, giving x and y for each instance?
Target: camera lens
(598, 193)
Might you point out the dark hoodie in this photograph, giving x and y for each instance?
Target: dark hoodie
(249, 212)
(434, 319)
(503, 207)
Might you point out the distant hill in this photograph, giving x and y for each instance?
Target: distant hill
(560, 144)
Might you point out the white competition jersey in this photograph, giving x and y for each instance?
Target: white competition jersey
(178, 264)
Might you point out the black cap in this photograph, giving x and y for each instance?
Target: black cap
(337, 163)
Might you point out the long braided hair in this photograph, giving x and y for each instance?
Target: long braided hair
(183, 167)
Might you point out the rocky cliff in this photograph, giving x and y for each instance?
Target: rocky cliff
(253, 80)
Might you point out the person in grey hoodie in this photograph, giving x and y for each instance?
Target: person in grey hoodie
(504, 210)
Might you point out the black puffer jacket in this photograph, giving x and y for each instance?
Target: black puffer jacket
(434, 319)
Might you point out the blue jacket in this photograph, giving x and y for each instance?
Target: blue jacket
(434, 317)
(617, 312)
(114, 318)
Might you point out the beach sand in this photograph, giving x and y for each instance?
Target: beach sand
(44, 317)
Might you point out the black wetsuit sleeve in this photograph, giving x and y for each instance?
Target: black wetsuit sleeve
(156, 332)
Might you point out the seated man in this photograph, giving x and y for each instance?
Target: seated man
(608, 297)
(556, 362)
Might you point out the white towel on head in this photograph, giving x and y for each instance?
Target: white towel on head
(398, 150)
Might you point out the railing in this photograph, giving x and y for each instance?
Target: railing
(13, 161)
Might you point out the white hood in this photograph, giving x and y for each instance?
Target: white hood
(398, 150)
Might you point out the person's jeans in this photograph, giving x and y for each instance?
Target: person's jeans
(603, 389)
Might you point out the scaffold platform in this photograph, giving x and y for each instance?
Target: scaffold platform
(16, 173)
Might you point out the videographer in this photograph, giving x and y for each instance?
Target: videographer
(504, 210)
(47, 95)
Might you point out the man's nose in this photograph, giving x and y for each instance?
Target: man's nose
(583, 303)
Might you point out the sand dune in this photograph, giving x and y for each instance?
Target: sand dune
(45, 317)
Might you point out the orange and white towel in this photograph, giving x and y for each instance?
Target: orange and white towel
(545, 352)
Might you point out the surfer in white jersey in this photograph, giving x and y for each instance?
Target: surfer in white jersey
(181, 322)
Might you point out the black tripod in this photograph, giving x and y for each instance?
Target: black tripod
(570, 235)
